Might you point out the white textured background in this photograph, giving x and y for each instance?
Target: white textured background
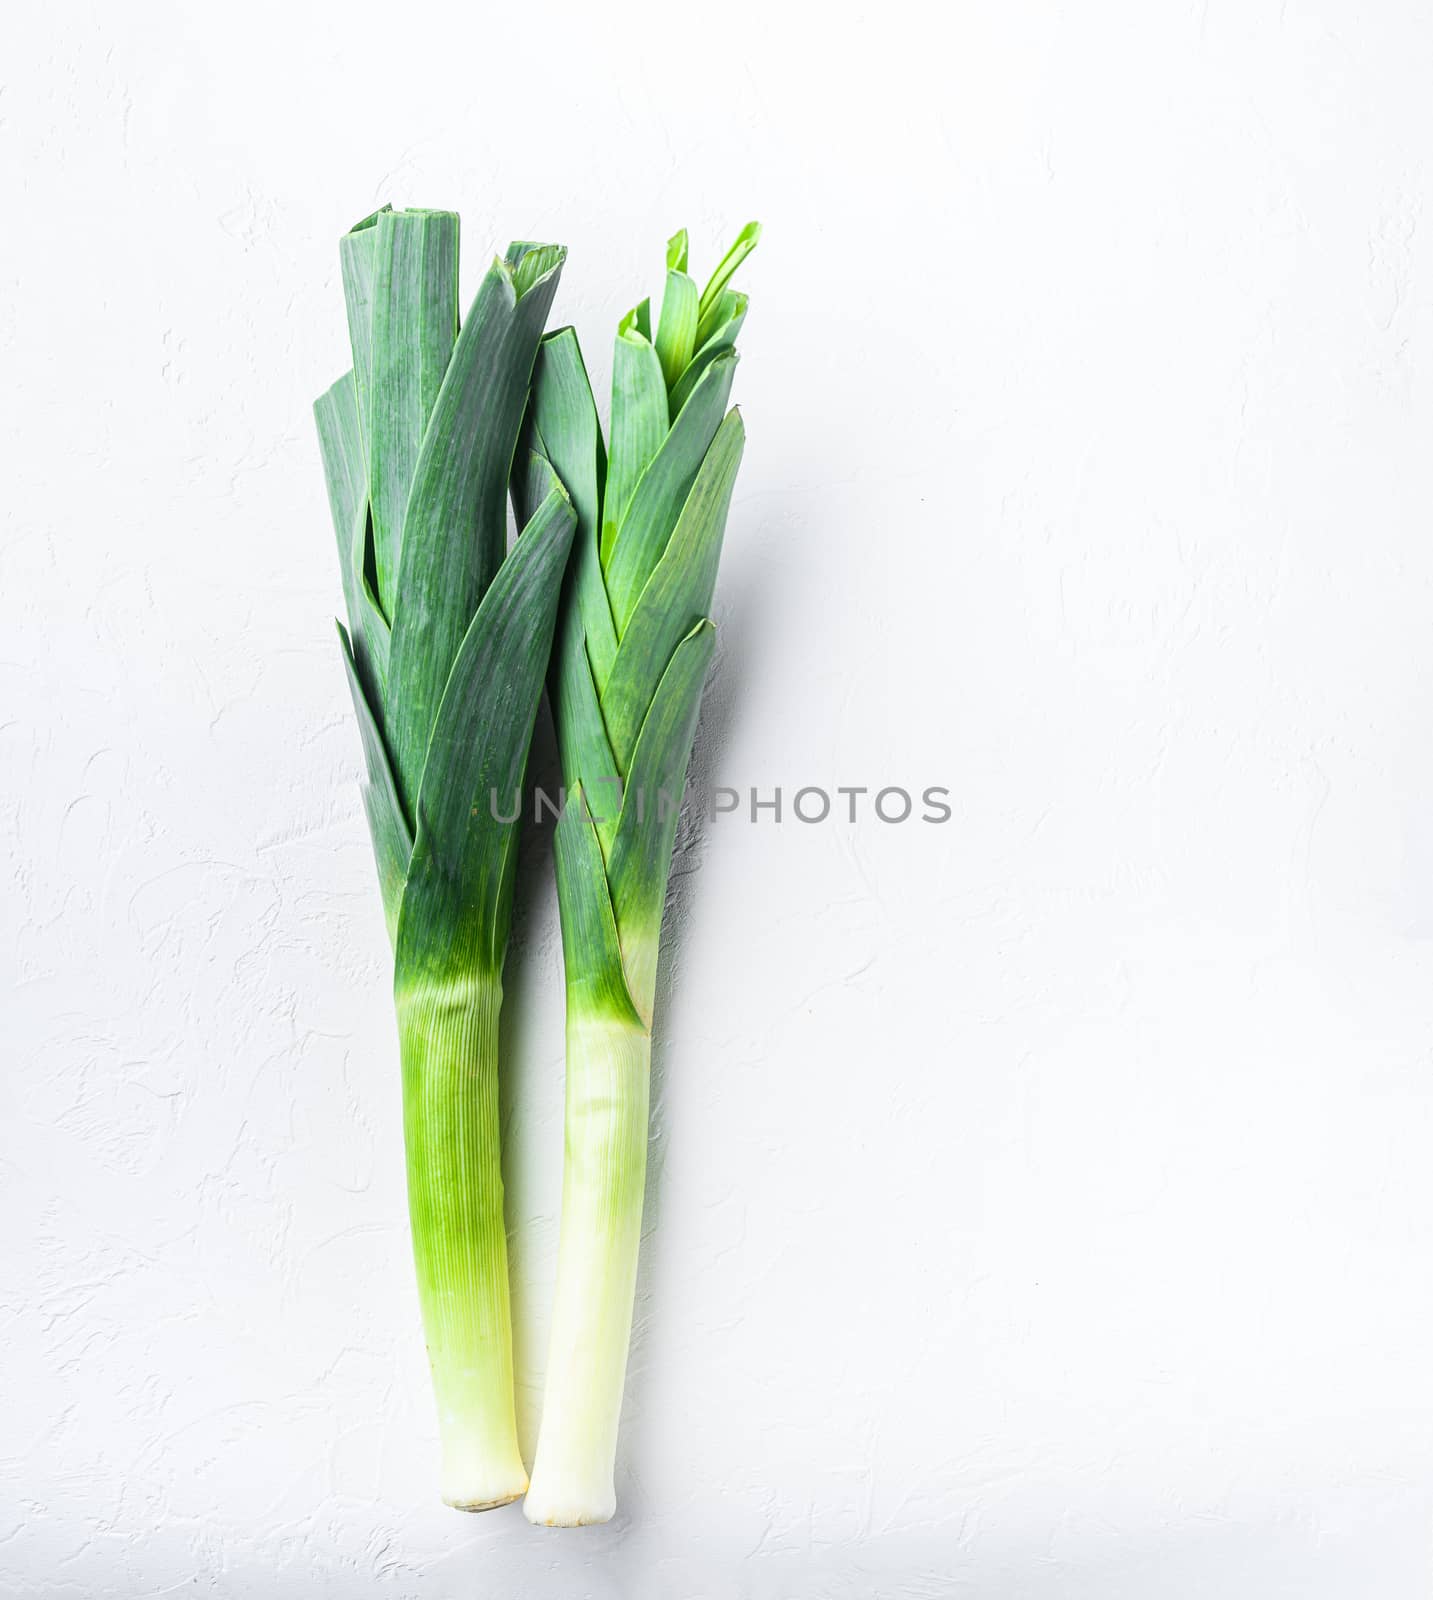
(1042, 1204)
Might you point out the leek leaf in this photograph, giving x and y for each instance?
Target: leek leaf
(565, 418)
(678, 594)
(640, 419)
(746, 241)
(659, 497)
(341, 444)
(387, 824)
(581, 733)
(340, 441)
(455, 528)
(591, 954)
(356, 264)
(373, 625)
(641, 857)
(722, 339)
(415, 320)
(677, 329)
(454, 917)
(529, 262)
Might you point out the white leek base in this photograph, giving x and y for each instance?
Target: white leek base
(449, 1038)
(472, 1480)
(604, 1173)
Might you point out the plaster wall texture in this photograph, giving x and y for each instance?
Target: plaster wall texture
(1042, 1203)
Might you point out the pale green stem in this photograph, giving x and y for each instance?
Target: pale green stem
(604, 1172)
(448, 1035)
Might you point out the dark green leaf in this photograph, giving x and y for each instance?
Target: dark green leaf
(591, 955)
(372, 624)
(356, 263)
(387, 824)
(565, 418)
(582, 741)
(455, 910)
(641, 856)
(341, 444)
(415, 320)
(581, 734)
(456, 523)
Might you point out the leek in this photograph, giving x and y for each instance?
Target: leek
(446, 645)
(634, 642)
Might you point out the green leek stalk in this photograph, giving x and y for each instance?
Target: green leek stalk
(447, 641)
(634, 643)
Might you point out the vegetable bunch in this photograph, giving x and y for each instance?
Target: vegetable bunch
(449, 636)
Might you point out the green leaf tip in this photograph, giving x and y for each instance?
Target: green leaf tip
(370, 219)
(746, 241)
(637, 324)
(530, 264)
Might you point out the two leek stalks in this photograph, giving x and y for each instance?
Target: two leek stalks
(446, 645)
